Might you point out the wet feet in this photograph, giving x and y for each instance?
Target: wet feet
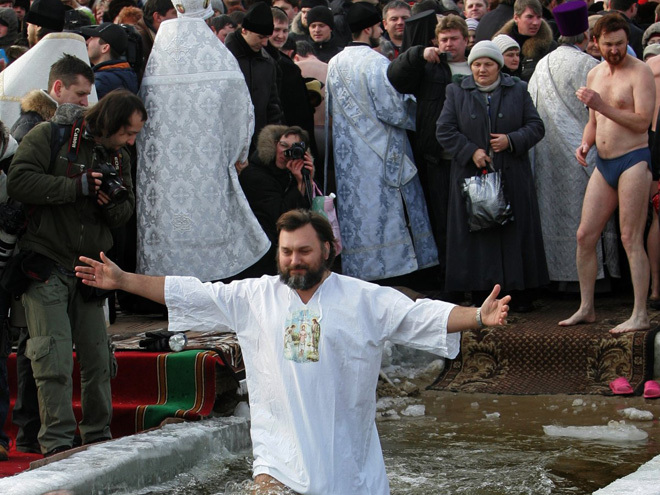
(580, 316)
(633, 324)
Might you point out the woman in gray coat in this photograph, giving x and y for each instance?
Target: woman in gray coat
(489, 120)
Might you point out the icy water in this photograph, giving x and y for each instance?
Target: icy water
(479, 444)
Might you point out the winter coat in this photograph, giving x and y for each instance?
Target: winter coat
(292, 92)
(260, 74)
(62, 225)
(511, 255)
(36, 107)
(325, 50)
(493, 21)
(409, 73)
(270, 191)
(8, 17)
(114, 74)
(532, 49)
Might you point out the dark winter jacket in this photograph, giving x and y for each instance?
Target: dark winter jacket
(493, 21)
(292, 92)
(532, 49)
(511, 255)
(409, 73)
(325, 50)
(114, 74)
(260, 75)
(270, 191)
(36, 107)
(62, 225)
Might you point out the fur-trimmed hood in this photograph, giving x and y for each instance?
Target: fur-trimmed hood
(68, 113)
(40, 102)
(297, 27)
(535, 47)
(266, 150)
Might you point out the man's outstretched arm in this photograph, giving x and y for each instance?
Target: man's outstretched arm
(107, 275)
(493, 313)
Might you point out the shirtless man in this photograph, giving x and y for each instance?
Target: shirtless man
(620, 94)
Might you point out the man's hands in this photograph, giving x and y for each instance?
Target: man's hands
(590, 98)
(89, 184)
(494, 311)
(296, 166)
(103, 274)
(433, 54)
(581, 154)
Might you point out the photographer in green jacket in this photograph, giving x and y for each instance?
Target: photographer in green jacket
(73, 176)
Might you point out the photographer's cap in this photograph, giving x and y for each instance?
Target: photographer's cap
(112, 34)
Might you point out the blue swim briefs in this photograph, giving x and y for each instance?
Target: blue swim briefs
(612, 168)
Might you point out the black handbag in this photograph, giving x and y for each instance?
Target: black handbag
(485, 201)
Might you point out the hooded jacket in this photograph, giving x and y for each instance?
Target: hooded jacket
(114, 74)
(532, 49)
(36, 106)
(62, 225)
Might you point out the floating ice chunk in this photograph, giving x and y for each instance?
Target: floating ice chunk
(615, 431)
(414, 410)
(494, 415)
(474, 405)
(636, 415)
(389, 414)
(578, 403)
(435, 366)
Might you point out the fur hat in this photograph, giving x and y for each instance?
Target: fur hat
(486, 48)
(653, 29)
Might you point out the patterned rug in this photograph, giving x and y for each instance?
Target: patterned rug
(533, 355)
(224, 343)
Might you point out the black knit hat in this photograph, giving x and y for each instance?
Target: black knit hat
(321, 14)
(259, 19)
(310, 4)
(362, 15)
(48, 14)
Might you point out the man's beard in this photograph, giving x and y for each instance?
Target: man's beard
(303, 281)
(615, 59)
(374, 42)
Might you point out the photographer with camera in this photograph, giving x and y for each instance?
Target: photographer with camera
(275, 182)
(74, 196)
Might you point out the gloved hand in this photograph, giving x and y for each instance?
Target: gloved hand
(88, 183)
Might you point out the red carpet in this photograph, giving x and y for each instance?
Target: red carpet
(149, 387)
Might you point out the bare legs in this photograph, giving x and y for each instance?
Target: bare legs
(600, 201)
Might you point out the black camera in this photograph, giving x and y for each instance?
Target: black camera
(296, 151)
(112, 183)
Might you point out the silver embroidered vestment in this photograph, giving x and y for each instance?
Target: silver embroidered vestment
(377, 181)
(193, 218)
(560, 180)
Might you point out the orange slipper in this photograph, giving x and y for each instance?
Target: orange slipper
(651, 389)
(621, 386)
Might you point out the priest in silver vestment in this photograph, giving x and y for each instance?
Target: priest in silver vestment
(560, 180)
(193, 218)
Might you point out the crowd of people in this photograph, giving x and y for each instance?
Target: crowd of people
(214, 119)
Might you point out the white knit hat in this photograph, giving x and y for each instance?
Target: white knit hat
(487, 49)
(505, 42)
(472, 24)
